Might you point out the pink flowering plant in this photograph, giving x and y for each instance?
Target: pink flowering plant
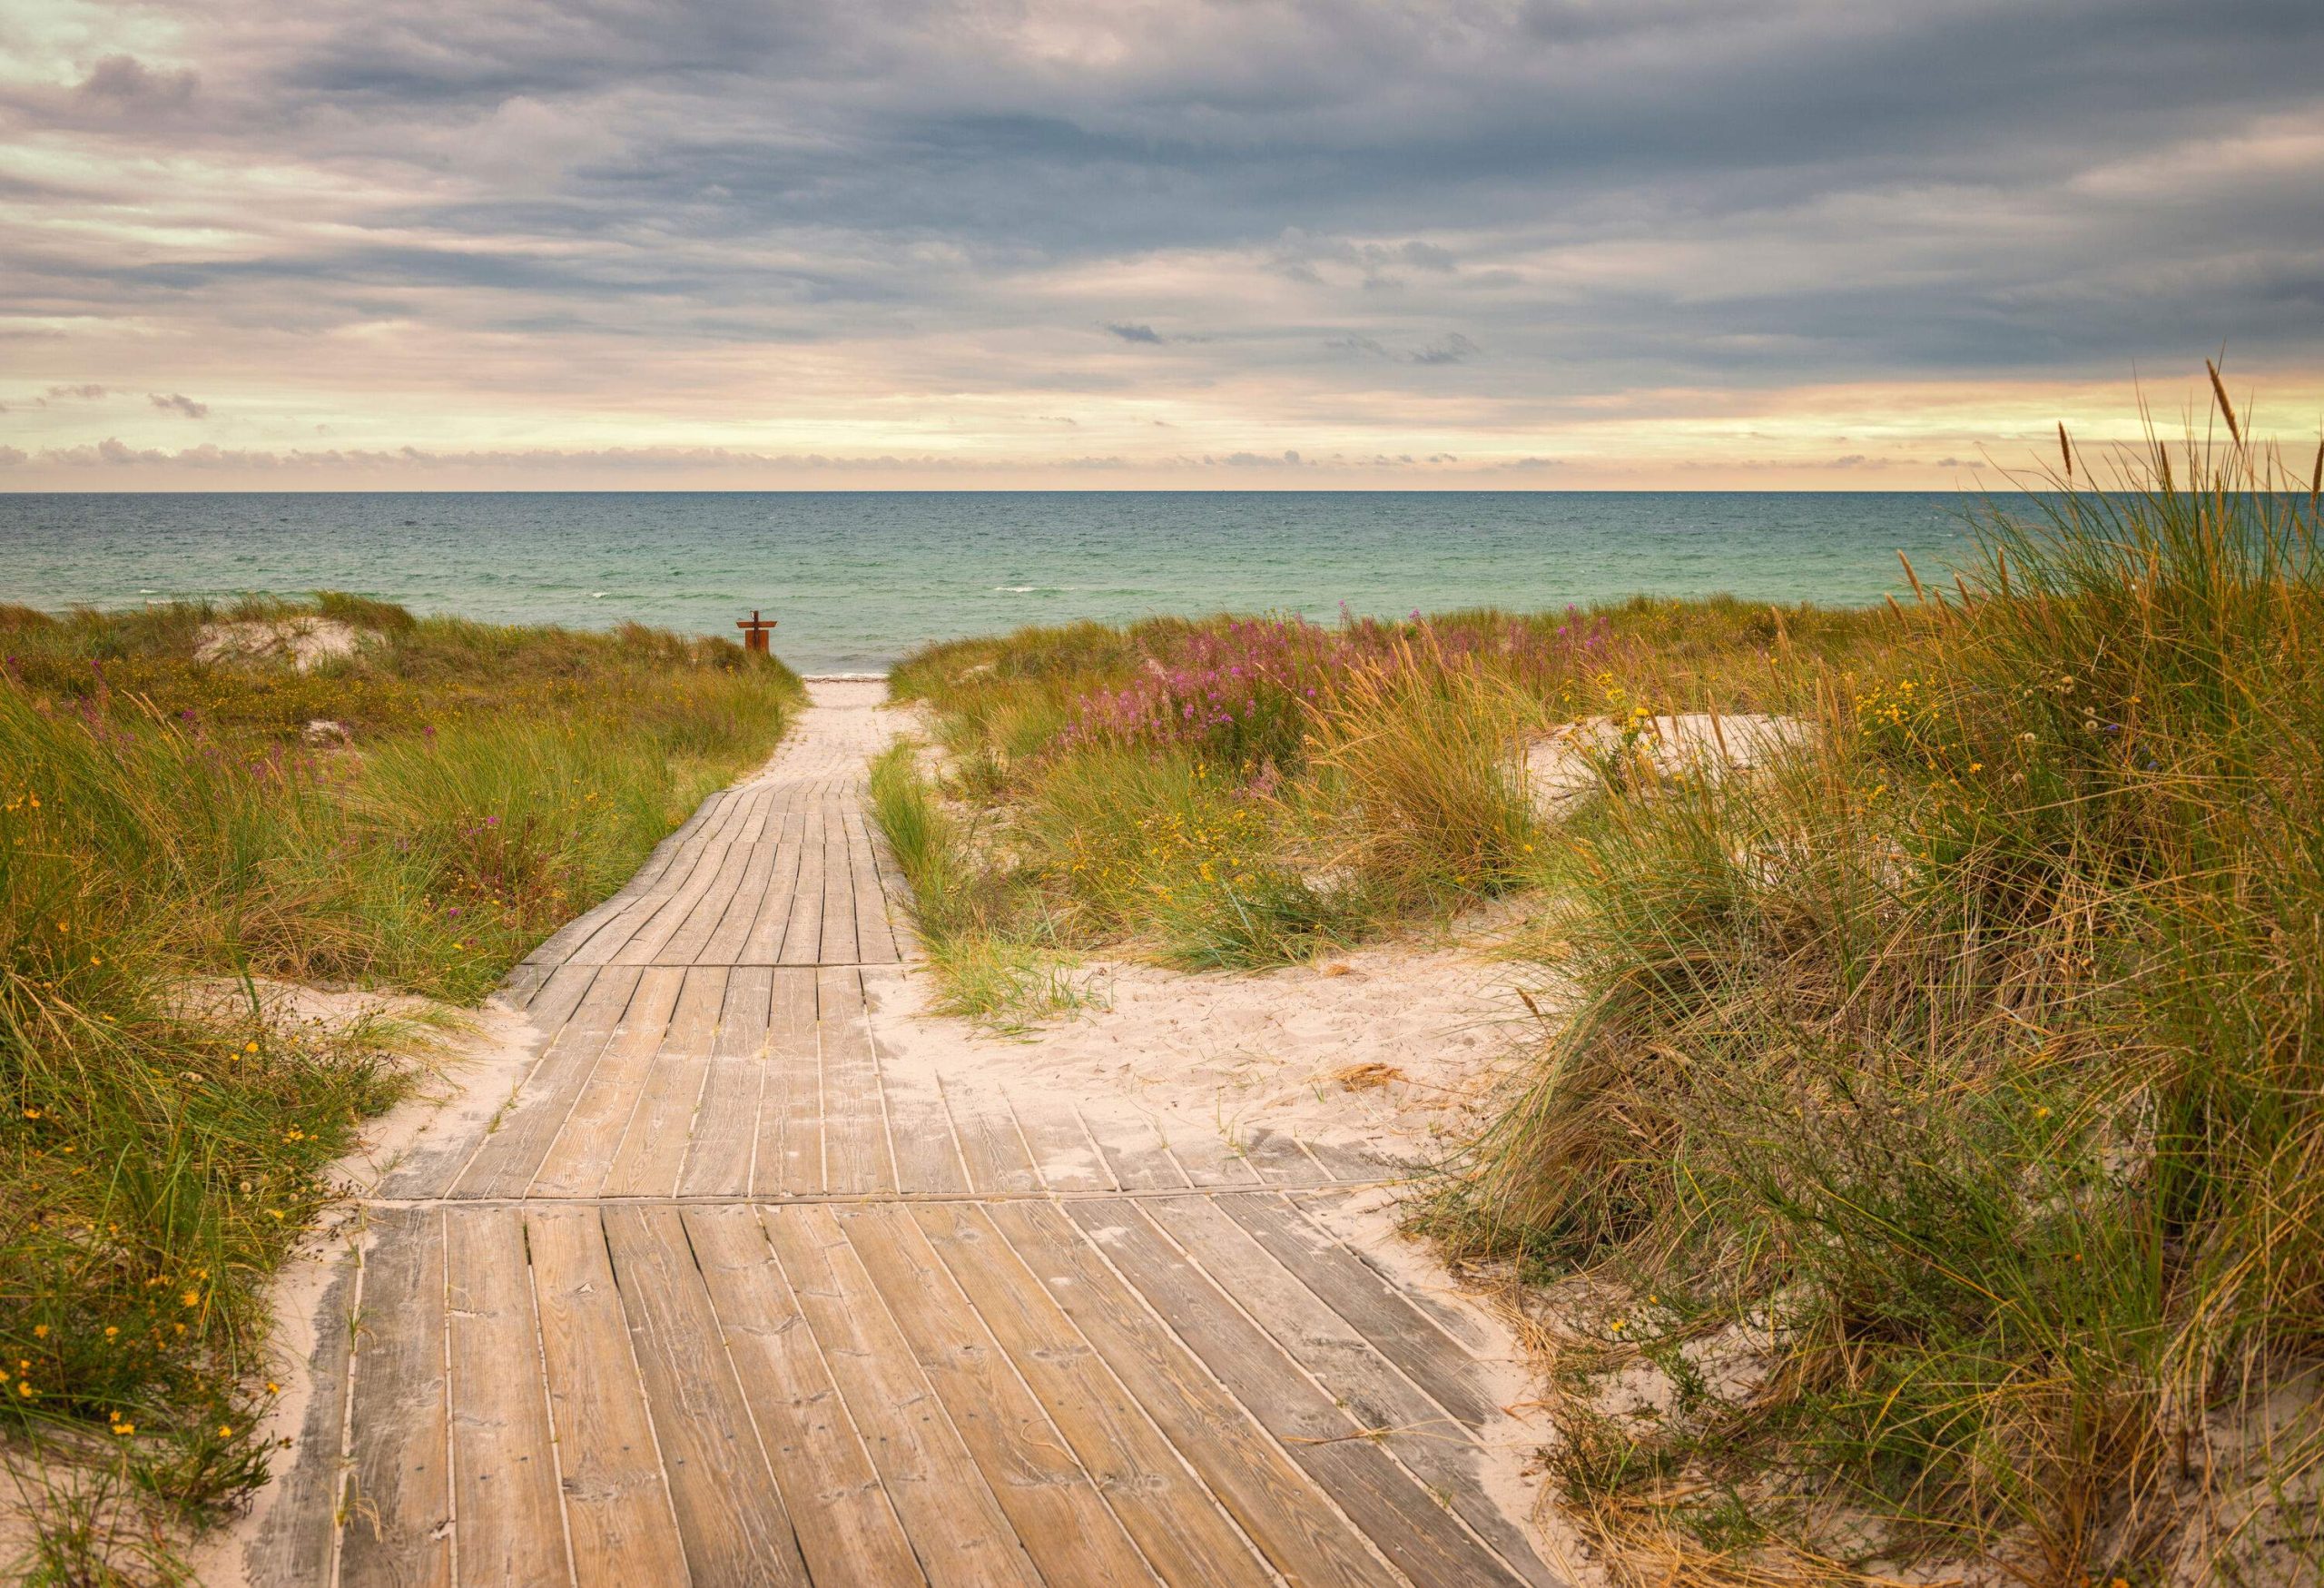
(1244, 692)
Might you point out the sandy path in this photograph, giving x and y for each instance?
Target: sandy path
(740, 1266)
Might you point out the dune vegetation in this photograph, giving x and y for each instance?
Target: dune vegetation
(408, 815)
(1923, 1168)
(1237, 793)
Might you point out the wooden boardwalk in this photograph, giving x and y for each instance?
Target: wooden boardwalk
(724, 1296)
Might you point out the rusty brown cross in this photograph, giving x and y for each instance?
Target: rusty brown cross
(754, 629)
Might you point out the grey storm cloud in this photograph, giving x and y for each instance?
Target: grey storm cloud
(1451, 348)
(128, 81)
(1755, 191)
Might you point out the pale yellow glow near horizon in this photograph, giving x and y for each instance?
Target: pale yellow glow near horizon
(843, 431)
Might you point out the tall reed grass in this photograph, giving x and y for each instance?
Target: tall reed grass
(1941, 1116)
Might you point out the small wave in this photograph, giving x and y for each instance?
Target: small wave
(597, 595)
(1028, 589)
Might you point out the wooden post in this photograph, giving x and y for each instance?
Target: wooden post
(754, 629)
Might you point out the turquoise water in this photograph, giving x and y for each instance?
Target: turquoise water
(857, 579)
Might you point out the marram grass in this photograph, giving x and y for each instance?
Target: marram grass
(1964, 1072)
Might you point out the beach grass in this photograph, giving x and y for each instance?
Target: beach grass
(1238, 793)
(1929, 1137)
(173, 840)
(1959, 1073)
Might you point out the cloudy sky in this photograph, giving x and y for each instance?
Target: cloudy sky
(1140, 242)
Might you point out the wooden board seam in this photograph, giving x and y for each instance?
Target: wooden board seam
(1202, 1364)
(854, 1198)
(1055, 1435)
(1387, 1447)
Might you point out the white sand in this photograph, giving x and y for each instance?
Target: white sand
(303, 642)
(1563, 767)
(1391, 1049)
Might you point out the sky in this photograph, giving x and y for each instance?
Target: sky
(1142, 244)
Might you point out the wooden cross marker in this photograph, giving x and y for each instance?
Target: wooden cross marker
(754, 629)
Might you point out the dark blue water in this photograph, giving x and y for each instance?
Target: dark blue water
(857, 579)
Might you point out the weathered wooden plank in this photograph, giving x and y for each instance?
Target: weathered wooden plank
(1369, 1304)
(765, 796)
(1429, 1440)
(1280, 1159)
(846, 1527)
(802, 934)
(503, 1476)
(1331, 1209)
(992, 1146)
(763, 944)
(398, 1521)
(789, 1155)
(618, 1507)
(664, 907)
(1357, 1163)
(295, 1540)
(684, 839)
(1211, 1155)
(1298, 1529)
(875, 942)
(652, 936)
(1175, 1521)
(683, 946)
(436, 1160)
(560, 944)
(838, 942)
(1063, 1154)
(920, 1127)
(1137, 1155)
(507, 1156)
(575, 1164)
(724, 945)
(651, 899)
(856, 1119)
(948, 1511)
(554, 1003)
(730, 1515)
(653, 1149)
(1063, 1521)
(897, 893)
(726, 1131)
(524, 979)
(1425, 1541)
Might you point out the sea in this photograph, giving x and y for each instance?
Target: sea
(858, 579)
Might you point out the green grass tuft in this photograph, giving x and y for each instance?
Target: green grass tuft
(1973, 1051)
